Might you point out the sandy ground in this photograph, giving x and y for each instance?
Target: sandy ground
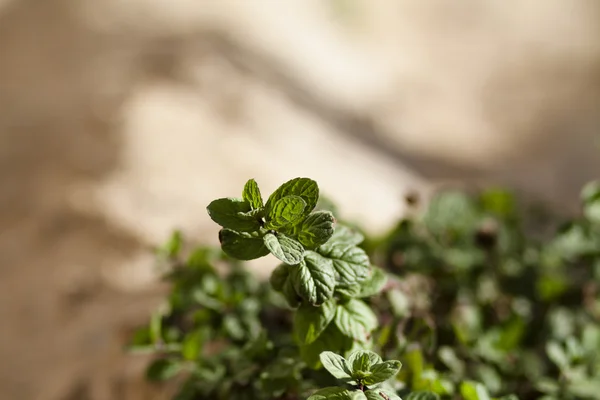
(122, 119)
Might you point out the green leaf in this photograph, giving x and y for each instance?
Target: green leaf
(336, 365)
(331, 393)
(423, 395)
(351, 263)
(470, 390)
(314, 278)
(381, 394)
(330, 340)
(382, 372)
(163, 369)
(362, 360)
(286, 211)
(356, 320)
(316, 229)
(284, 248)
(557, 354)
(251, 194)
(374, 283)
(192, 344)
(290, 294)
(232, 214)
(311, 321)
(349, 236)
(305, 188)
(279, 276)
(242, 245)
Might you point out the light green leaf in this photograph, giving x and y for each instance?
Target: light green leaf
(349, 236)
(314, 278)
(374, 283)
(288, 210)
(242, 245)
(311, 321)
(316, 229)
(351, 263)
(233, 214)
(279, 276)
(382, 372)
(423, 395)
(381, 394)
(336, 365)
(302, 187)
(192, 344)
(557, 354)
(362, 360)
(470, 390)
(251, 194)
(284, 248)
(356, 320)
(331, 393)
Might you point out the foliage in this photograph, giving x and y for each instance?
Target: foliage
(471, 299)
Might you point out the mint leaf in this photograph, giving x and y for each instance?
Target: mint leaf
(356, 320)
(316, 229)
(331, 339)
(423, 395)
(351, 263)
(382, 372)
(242, 245)
(362, 360)
(344, 234)
(163, 369)
(470, 390)
(230, 213)
(279, 276)
(381, 394)
(311, 321)
(251, 194)
(305, 188)
(336, 365)
(331, 393)
(290, 294)
(284, 248)
(314, 278)
(374, 283)
(286, 211)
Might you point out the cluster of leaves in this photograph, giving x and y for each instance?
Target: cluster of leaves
(476, 301)
(484, 302)
(323, 274)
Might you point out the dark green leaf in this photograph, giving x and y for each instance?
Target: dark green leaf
(311, 321)
(233, 214)
(356, 320)
(163, 369)
(316, 229)
(242, 245)
(302, 187)
(336, 365)
(288, 210)
(279, 276)
(351, 263)
(314, 278)
(330, 340)
(251, 194)
(284, 248)
(374, 283)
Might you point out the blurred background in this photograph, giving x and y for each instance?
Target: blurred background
(121, 119)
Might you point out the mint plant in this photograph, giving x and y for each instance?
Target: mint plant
(323, 273)
(362, 376)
